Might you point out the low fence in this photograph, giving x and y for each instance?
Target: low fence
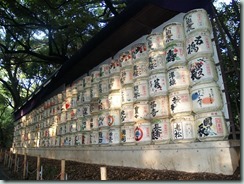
(20, 163)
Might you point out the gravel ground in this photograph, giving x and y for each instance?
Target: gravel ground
(82, 171)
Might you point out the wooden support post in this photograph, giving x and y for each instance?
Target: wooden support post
(62, 176)
(24, 171)
(103, 171)
(15, 161)
(5, 158)
(38, 168)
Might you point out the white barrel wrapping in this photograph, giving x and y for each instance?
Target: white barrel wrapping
(114, 100)
(86, 82)
(157, 84)
(183, 129)
(125, 59)
(139, 51)
(178, 78)
(114, 118)
(161, 131)
(206, 97)
(114, 135)
(141, 90)
(156, 61)
(211, 126)
(175, 55)
(127, 94)
(104, 71)
(159, 107)
(114, 82)
(180, 103)
(141, 110)
(196, 20)
(143, 132)
(126, 76)
(127, 134)
(103, 136)
(199, 44)
(114, 67)
(140, 69)
(127, 113)
(202, 70)
(173, 32)
(95, 76)
(155, 42)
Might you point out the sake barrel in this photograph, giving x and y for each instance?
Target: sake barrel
(178, 78)
(141, 91)
(79, 126)
(139, 51)
(211, 126)
(94, 137)
(180, 103)
(114, 82)
(140, 69)
(114, 118)
(199, 44)
(103, 103)
(72, 127)
(127, 134)
(86, 110)
(86, 95)
(127, 113)
(161, 131)
(159, 107)
(206, 97)
(114, 100)
(175, 55)
(126, 76)
(86, 82)
(155, 42)
(86, 139)
(156, 61)
(86, 124)
(202, 70)
(95, 91)
(103, 119)
(103, 136)
(94, 122)
(114, 135)
(78, 139)
(157, 84)
(94, 107)
(183, 129)
(196, 20)
(142, 132)
(125, 58)
(103, 86)
(79, 112)
(127, 94)
(104, 71)
(172, 33)
(95, 76)
(141, 110)
(114, 66)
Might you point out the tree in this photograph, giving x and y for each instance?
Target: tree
(226, 23)
(37, 37)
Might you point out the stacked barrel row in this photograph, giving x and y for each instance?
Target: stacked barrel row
(163, 88)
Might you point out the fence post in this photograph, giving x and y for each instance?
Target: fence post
(62, 176)
(24, 171)
(103, 171)
(38, 168)
(15, 161)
